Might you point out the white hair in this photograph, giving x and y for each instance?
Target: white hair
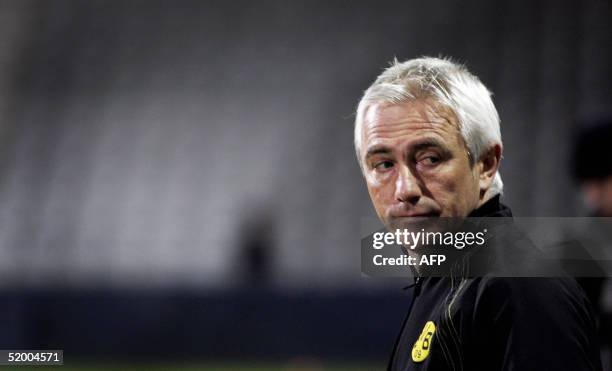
(451, 85)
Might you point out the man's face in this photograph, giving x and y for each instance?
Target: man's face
(598, 194)
(416, 163)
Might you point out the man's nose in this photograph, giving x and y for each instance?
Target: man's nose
(407, 186)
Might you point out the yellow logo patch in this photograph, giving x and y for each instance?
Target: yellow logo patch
(420, 350)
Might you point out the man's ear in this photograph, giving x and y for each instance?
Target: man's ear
(488, 165)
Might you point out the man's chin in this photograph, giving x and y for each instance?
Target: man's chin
(413, 222)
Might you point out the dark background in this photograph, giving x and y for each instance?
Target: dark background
(177, 178)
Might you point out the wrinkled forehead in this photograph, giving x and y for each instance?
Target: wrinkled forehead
(382, 121)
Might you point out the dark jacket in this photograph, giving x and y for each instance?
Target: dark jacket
(496, 323)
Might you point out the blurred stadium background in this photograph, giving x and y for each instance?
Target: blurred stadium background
(177, 178)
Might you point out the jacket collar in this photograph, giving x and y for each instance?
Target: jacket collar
(492, 208)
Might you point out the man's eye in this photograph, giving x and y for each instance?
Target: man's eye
(430, 160)
(383, 165)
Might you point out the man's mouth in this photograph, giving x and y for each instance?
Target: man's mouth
(430, 214)
(412, 220)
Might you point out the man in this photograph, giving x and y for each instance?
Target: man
(593, 173)
(428, 141)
